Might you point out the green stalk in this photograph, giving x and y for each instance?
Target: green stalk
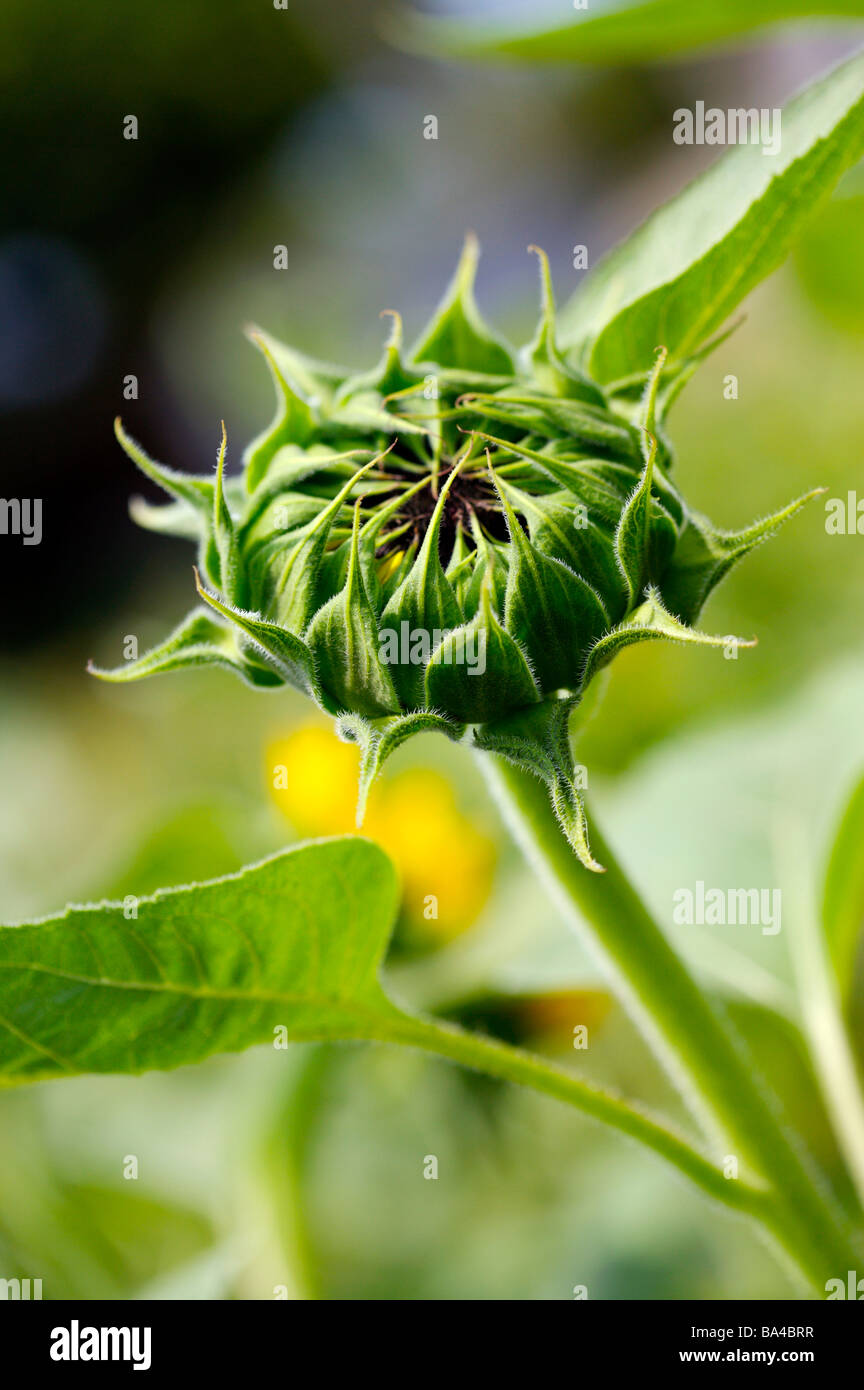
(494, 1058)
(704, 1060)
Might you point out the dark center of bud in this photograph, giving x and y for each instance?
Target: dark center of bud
(471, 498)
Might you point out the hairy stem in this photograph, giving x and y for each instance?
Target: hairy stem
(495, 1058)
(703, 1058)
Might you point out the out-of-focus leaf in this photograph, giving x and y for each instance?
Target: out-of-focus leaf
(843, 896)
(644, 31)
(680, 275)
(828, 260)
(780, 1054)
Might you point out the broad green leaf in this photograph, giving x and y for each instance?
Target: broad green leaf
(643, 31)
(827, 259)
(294, 942)
(843, 894)
(287, 950)
(678, 278)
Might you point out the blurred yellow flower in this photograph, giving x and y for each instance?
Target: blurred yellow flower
(445, 863)
(551, 1019)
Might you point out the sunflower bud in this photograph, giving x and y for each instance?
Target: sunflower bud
(457, 540)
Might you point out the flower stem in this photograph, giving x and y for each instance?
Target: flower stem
(703, 1058)
(495, 1058)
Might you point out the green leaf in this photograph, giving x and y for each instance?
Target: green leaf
(289, 949)
(644, 31)
(679, 277)
(843, 894)
(198, 641)
(457, 335)
(295, 942)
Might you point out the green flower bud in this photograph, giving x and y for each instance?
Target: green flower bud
(456, 540)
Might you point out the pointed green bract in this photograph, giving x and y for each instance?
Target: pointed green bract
(224, 533)
(294, 595)
(705, 555)
(457, 335)
(551, 613)
(550, 369)
(537, 739)
(290, 658)
(198, 641)
(377, 741)
(650, 621)
(197, 492)
(426, 604)
(293, 422)
(479, 672)
(343, 639)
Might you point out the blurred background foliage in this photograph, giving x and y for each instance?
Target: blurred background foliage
(302, 1171)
